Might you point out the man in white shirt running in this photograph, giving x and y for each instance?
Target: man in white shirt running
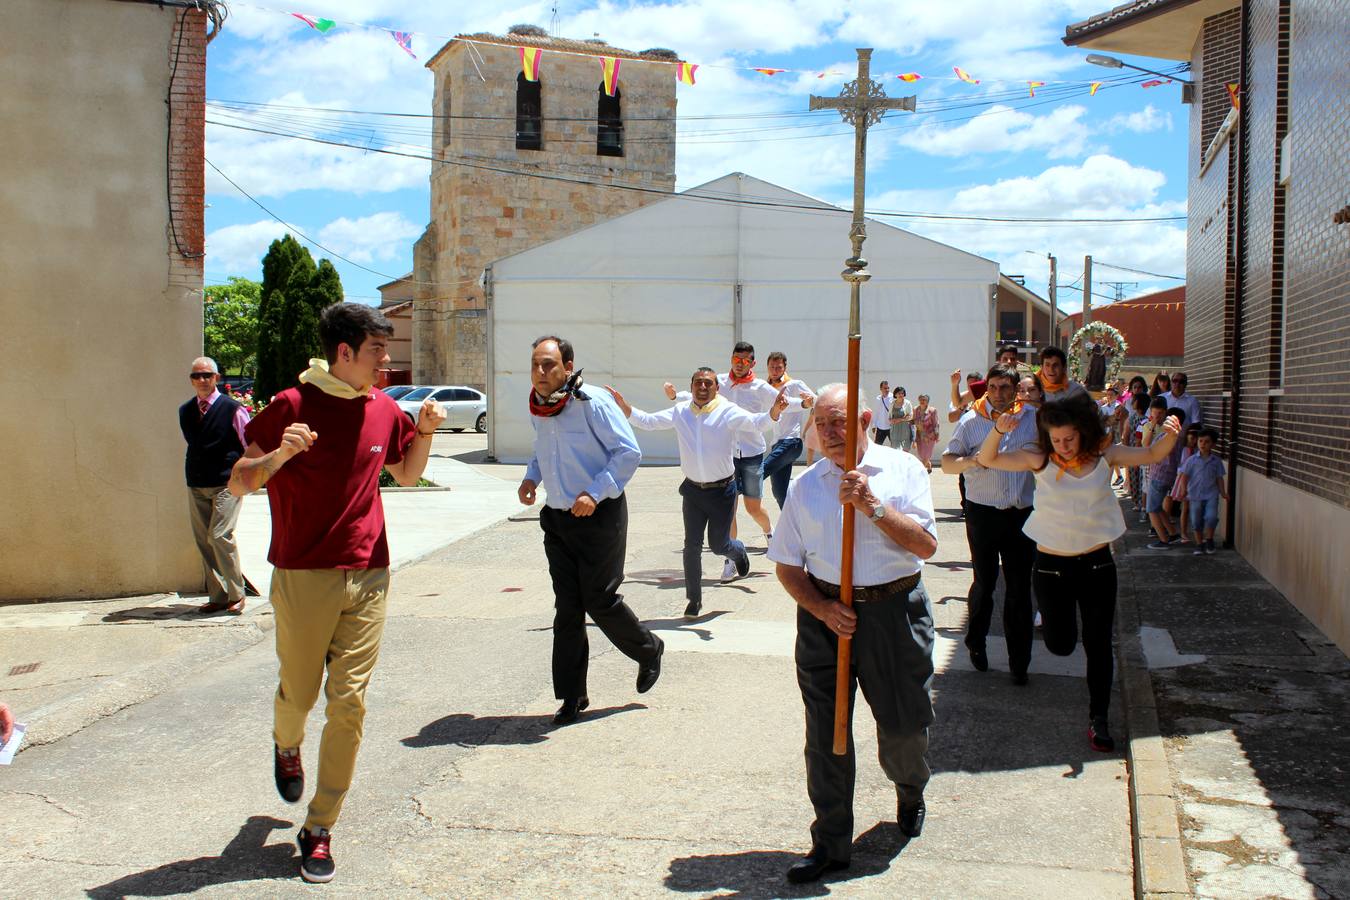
(778, 462)
(708, 428)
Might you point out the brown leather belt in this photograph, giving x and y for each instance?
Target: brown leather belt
(710, 484)
(871, 593)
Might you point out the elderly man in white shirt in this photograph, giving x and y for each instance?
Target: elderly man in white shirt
(709, 429)
(890, 624)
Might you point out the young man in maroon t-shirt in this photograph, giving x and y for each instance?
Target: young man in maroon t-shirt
(319, 449)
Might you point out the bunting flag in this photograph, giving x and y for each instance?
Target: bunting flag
(529, 62)
(322, 26)
(610, 67)
(1233, 94)
(1092, 91)
(964, 75)
(404, 40)
(1032, 85)
(685, 72)
(1156, 82)
(909, 76)
(769, 71)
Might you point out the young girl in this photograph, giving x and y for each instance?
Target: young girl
(1189, 434)
(1075, 519)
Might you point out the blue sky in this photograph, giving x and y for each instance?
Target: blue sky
(971, 150)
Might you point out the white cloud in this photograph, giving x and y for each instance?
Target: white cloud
(1140, 121)
(239, 249)
(375, 238)
(1002, 129)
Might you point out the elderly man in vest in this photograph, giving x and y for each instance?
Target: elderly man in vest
(213, 426)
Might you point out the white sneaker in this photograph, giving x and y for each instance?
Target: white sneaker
(729, 571)
(1037, 623)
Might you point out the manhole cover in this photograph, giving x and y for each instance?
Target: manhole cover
(24, 669)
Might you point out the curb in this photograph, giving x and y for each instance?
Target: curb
(1159, 864)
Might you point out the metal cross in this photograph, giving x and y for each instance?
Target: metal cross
(861, 103)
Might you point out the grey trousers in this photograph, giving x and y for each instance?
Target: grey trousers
(892, 660)
(214, 514)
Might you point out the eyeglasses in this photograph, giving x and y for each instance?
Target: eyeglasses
(201, 376)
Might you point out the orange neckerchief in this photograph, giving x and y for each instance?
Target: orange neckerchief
(1084, 460)
(981, 406)
(741, 379)
(1054, 386)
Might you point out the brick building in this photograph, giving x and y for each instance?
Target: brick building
(1153, 325)
(518, 163)
(1267, 268)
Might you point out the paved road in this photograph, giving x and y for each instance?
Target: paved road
(464, 789)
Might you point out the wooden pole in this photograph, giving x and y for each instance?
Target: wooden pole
(842, 678)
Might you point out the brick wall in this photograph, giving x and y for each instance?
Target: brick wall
(187, 149)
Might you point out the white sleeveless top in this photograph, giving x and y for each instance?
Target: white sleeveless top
(1072, 515)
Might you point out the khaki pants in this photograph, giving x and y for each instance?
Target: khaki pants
(215, 512)
(332, 617)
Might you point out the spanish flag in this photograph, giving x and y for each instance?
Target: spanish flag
(769, 71)
(1234, 93)
(1092, 91)
(685, 72)
(529, 62)
(964, 75)
(909, 76)
(610, 65)
(1032, 85)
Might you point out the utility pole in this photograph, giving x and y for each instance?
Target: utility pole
(1053, 340)
(1119, 287)
(1087, 290)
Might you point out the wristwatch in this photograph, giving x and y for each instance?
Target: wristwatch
(879, 513)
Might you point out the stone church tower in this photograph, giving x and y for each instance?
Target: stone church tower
(518, 163)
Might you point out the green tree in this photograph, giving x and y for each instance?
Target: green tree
(282, 257)
(294, 293)
(230, 324)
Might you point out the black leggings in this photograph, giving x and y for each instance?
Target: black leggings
(1087, 582)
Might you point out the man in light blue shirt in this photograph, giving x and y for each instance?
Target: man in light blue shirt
(584, 455)
(997, 506)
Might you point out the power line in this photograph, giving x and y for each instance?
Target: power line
(1098, 262)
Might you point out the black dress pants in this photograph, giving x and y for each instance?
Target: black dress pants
(892, 660)
(996, 534)
(707, 509)
(1070, 587)
(585, 559)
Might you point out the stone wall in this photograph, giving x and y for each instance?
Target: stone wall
(490, 200)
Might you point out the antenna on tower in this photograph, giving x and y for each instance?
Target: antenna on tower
(553, 23)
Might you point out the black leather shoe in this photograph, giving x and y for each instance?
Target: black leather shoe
(570, 710)
(813, 865)
(979, 659)
(910, 818)
(289, 774)
(693, 609)
(1020, 678)
(648, 672)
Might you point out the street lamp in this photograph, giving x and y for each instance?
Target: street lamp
(1111, 62)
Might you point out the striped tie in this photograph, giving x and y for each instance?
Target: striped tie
(203, 404)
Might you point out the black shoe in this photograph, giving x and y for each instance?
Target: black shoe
(693, 609)
(316, 858)
(1099, 736)
(813, 865)
(289, 774)
(648, 672)
(909, 816)
(1020, 678)
(979, 659)
(743, 565)
(570, 710)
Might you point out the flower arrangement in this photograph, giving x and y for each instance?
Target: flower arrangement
(1099, 333)
(249, 402)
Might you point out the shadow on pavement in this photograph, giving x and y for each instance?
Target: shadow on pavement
(468, 730)
(762, 874)
(155, 613)
(247, 857)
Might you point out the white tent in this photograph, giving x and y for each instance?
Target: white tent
(649, 296)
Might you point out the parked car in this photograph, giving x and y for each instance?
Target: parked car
(464, 406)
(398, 391)
(237, 384)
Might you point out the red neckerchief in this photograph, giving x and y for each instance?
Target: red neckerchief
(981, 407)
(558, 399)
(1084, 460)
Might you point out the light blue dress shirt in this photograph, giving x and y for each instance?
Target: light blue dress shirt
(589, 448)
(994, 487)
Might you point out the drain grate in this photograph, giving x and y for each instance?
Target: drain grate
(24, 669)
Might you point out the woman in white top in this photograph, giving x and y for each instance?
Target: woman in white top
(1075, 519)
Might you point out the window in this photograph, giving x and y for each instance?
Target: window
(447, 394)
(465, 394)
(529, 114)
(417, 394)
(1010, 327)
(609, 129)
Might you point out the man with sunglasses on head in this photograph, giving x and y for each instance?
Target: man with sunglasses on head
(1179, 399)
(213, 426)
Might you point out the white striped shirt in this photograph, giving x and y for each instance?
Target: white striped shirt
(810, 532)
(995, 487)
(707, 440)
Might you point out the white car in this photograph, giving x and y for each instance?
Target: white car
(464, 406)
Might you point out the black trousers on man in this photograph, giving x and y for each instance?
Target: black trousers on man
(892, 660)
(708, 508)
(996, 534)
(585, 560)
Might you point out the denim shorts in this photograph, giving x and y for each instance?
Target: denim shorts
(1157, 490)
(1205, 513)
(749, 477)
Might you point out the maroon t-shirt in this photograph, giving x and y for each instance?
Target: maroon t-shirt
(326, 510)
(977, 389)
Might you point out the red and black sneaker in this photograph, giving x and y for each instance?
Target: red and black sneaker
(1099, 736)
(316, 858)
(289, 773)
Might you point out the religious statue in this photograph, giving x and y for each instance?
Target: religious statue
(1098, 353)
